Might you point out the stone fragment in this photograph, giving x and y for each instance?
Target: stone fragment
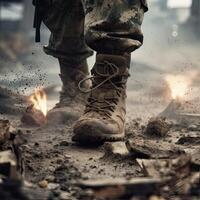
(156, 198)
(157, 127)
(50, 178)
(193, 127)
(64, 143)
(115, 149)
(140, 147)
(188, 140)
(43, 184)
(53, 186)
(65, 196)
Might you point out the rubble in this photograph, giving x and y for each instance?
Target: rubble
(180, 178)
(183, 112)
(186, 140)
(33, 117)
(157, 127)
(43, 184)
(4, 130)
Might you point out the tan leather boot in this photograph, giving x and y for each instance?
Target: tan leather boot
(72, 100)
(104, 116)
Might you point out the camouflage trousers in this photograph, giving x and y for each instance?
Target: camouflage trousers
(80, 26)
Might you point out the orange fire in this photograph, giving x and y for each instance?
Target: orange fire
(178, 85)
(39, 101)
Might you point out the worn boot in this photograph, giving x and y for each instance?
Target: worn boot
(104, 116)
(72, 100)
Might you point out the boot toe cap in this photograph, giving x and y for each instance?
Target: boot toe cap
(95, 130)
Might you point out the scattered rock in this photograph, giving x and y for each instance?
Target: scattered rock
(115, 149)
(65, 196)
(193, 127)
(43, 184)
(188, 140)
(157, 127)
(156, 198)
(64, 143)
(67, 156)
(50, 178)
(51, 168)
(53, 186)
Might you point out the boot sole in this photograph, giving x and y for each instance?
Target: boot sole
(96, 137)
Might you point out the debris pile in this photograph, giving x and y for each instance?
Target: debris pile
(168, 159)
(33, 117)
(35, 114)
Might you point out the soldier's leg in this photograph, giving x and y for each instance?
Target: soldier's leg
(113, 29)
(65, 20)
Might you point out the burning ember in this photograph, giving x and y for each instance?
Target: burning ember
(178, 85)
(39, 101)
(35, 114)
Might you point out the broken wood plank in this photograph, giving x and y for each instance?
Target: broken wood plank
(150, 167)
(177, 172)
(159, 168)
(118, 188)
(146, 148)
(8, 165)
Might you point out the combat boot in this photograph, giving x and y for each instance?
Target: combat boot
(104, 116)
(72, 100)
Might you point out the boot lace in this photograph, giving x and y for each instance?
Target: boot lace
(111, 78)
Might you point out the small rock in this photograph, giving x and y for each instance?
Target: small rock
(53, 186)
(115, 149)
(59, 161)
(33, 117)
(43, 184)
(64, 143)
(156, 198)
(193, 128)
(50, 178)
(65, 196)
(157, 127)
(67, 156)
(51, 168)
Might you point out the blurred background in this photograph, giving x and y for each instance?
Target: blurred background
(171, 47)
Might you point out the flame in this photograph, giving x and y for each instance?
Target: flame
(179, 84)
(39, 101)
